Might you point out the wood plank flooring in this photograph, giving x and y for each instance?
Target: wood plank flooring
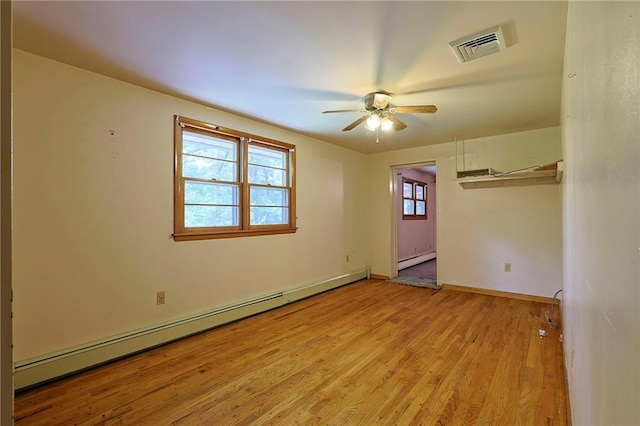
(370, 353)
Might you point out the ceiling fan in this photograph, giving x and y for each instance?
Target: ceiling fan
(381, 115)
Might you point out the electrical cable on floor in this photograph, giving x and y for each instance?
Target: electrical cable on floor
(539, 325)
(550, 319)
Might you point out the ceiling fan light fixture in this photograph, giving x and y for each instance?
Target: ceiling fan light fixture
(381, 115)
(386, 124)
(373, 122)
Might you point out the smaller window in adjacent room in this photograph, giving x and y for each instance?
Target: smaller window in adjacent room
(414, 199)
(230, 183)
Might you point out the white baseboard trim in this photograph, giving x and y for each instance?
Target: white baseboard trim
(37, 370)
(415, 260)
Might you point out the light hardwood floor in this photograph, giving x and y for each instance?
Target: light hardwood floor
(365, 354)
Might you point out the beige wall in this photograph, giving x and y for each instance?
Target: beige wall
(601, 142)
(93, 213)
(481, 229)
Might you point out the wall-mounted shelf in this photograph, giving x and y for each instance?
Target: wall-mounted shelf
(551, 173)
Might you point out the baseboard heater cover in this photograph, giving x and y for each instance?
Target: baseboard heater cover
(57, 364)
(407, 263)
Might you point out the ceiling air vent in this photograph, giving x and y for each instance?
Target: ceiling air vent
(481, 44)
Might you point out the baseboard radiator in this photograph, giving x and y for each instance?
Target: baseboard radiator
(34, 371)
(407, 263)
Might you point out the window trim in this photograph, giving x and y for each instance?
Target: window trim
(244, 228)
(415, 183)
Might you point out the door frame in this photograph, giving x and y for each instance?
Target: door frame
(6, 194)
(393, 189)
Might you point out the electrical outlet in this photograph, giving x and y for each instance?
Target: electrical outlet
(507, 267)
(347, 258)
(160, 298)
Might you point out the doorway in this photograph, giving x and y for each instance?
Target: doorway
(427, 270)
(415, 224)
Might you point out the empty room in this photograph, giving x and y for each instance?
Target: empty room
(318, 212)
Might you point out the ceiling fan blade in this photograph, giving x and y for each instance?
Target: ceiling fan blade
(344, 110)
(414, 109)
(397, 124)
(355, 123)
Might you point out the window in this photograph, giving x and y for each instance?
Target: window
(231, 184)
(414, 199)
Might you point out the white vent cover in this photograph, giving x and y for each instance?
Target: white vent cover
(481, 44)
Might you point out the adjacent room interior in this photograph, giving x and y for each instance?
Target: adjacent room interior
(416, 224)
(204, 207)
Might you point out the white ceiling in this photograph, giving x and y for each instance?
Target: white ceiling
(285, 62)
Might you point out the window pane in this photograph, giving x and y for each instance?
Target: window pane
(210, 216)
(267, 157)
(207, 168)
(268, 216)
(210, 193)
(206, 146)
(408, 207)
(420, 208)
(407, 190)
(266, 175)
(419, 192)
(267, 166)
(268, 197)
